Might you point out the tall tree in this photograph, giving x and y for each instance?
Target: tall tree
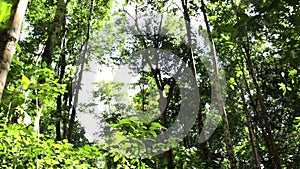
(206, 155)
(54, 32)
(9, 39)
(84, 49)
(244, 42)
(250, 129)
(220, 103)
(61, 71)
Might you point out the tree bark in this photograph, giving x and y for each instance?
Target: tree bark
(192, 64)
(9, 39)
(54, 33)
(221, 107)
(61, 70)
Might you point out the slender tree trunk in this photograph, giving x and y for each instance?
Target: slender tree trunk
(77, 88)
(61, 70)
(54, 33)
(58, 118)
(163, 102)
(169, 153)
(250, 129)
(221, 108)
(270, 138)
(67, 102)
(205, 147)
(247, 52)
(257, 123)
(9, 39)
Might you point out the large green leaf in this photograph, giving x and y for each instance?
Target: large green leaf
(5, 7)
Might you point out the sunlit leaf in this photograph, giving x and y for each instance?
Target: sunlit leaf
(25, 81)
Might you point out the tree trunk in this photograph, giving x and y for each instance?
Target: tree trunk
(61, 70)
(169, 153)
(9, 39)
(270, 138)
(217, 88)
(54, 33)
(57, 26)
(204, 146)
(250, 129)
(258, 124)
(77, 87)
(163, 102)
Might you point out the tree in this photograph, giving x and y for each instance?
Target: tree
(55, 32)
(9, 39)
(206, 152)
(219, 99)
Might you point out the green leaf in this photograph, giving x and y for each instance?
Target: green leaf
(156, 125)
(239, 73)
(18, 48)
(213, 18)
(125, 121)
(113, 125)
(4, 14)
(293, 72)
(153, 133)
(232, 81)
(116, 158)
(25, 81)
(184, 166)
(134, 118)
(282, 87)
(119, 137)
